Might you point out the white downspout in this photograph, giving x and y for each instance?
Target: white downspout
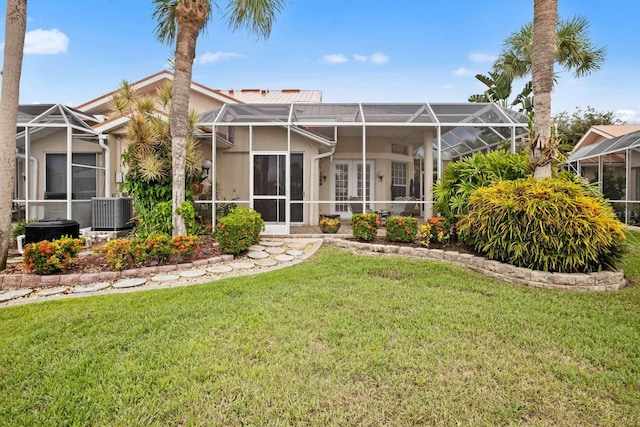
(314, 179)
(107, 164)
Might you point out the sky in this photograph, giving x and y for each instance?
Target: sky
(351, 50)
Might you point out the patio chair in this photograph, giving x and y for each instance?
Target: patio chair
(355, 206)
(401, 207)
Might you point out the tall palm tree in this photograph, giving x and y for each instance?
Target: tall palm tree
(182, 21)
(15, 28)
(545, 18)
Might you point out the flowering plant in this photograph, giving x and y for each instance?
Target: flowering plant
(402, 229)
(434, 231)
(365, 226)
(184, 245)
(47, 257)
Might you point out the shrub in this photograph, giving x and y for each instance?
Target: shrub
(463, 177)
(239, 230)
(434, 231)
(159, 246)
(47, 257)
(550, 224)
(402, 229)
(117, 252)
(185, 245)
(365, 226)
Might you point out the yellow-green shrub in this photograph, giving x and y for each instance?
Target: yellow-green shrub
(239, 230)
(550, 224)
(402, 229)
(365, 226)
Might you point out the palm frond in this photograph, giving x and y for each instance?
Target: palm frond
(257, 16)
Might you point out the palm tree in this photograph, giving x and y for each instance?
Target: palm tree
(182, 21)
(545, 17)
(15, 28)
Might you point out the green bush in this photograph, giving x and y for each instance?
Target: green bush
(550, 224)
(20, 227)
(402, 229)
(434, 231)
(239, 230)
(365, 226)
(47, 257)
(463, 177)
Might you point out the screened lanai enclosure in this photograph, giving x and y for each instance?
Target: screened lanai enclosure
(61, 164)
(615, 165)
(295, 162)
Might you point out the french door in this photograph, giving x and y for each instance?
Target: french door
(270, 190)
(348, 181)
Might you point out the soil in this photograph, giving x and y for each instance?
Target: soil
(90, 262)
(451, 246)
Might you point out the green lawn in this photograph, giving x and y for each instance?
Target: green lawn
(341, 340)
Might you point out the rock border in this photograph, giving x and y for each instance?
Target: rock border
(600, 281)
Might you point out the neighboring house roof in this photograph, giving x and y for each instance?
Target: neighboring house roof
(611, 149)
(602, 132)
(271, 96)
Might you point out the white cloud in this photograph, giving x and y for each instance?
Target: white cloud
(481, 57)
(334, 58)
(379, 58)
(360, 58)
(462, 72)
(45, 42)
(449, 86)
(209, 57)
(629, 116)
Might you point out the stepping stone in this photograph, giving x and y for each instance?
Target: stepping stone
(189, 274)
(266, 262)
(294, 252)
(284, 258)
(275, 251)
(297, 246)
(130, 283)
(92, 287)
(19, 293)
(219, 269)
(242, 265)
(165, 278)
(273, 243)
(259, 255)
(52, 291)
(256, 248)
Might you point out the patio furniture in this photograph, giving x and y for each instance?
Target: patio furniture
(355, 206)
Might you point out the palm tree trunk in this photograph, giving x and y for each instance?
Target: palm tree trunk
(190, 18)
(545, 17)
(16, 23)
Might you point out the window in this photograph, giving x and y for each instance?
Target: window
(83, 179)
(398, 180)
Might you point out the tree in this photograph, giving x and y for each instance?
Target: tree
(182, 21)
(571, 128)
(545, 17)
(15, 29)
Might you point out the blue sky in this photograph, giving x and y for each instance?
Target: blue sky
(354, 51)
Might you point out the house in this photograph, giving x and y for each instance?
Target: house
(610, 156)
(283, 152)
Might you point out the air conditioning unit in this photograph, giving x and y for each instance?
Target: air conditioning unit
(111, 213)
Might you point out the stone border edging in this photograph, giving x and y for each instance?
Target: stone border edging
(600, 281)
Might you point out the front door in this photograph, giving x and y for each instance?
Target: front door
(270, 188)
(348, 181)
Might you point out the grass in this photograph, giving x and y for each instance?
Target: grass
(341, 339)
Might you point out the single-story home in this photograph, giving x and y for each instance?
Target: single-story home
(610, 156)
(283, 152)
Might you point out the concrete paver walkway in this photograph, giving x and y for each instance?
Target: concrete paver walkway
(270, 254)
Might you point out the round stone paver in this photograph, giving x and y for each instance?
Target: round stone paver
(242, 265)
(130, 283)
(189, 274)
(52, 291)
(266, 262)
(92, 287)
(294, 252)
(273, 243)
(275, 251)
(19, 293)
(284, 258)
(219, 269)
(259, 255)
(165, 278)
(256, 248)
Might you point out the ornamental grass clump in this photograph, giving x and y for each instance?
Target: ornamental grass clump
(48, 257)
(365, 226)
(549, 224)
(402, 229)
(239, 230)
